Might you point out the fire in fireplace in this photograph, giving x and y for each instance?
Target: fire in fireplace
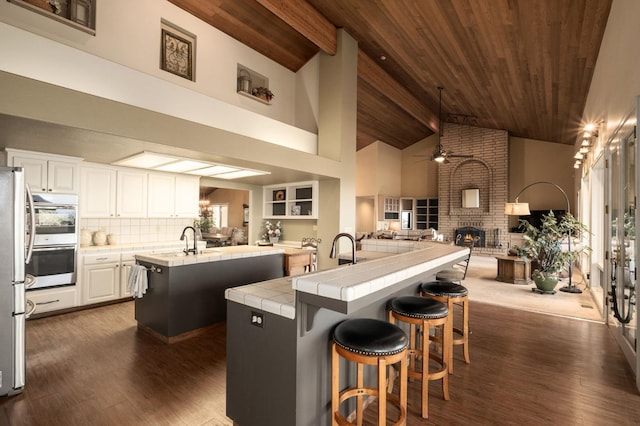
(466, 236)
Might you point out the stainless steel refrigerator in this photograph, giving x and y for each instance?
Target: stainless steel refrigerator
(13, 257)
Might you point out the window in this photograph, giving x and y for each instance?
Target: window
(220, 214)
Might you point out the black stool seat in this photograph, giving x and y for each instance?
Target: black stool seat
(370, 337)
(444, 289)
(418, 307)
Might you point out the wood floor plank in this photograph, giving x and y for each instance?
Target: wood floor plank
(94, 367)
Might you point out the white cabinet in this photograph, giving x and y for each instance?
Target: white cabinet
(131, 193)
(298, 200)
(53, 299)
(187, 196)
(112, 192)
(388, 208)
(100, 278)
(47, 172)
(97, 191)
(173, 195)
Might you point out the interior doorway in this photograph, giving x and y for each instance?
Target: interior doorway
(365, 214)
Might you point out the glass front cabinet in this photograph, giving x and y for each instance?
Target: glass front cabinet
(297, 200)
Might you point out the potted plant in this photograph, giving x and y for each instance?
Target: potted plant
(544, 249)
(274, 231)
(263, 93)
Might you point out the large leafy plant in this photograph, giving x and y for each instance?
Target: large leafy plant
(543, 246)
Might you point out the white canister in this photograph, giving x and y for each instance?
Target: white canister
(99, 238)
(85, 237)
(112, 239)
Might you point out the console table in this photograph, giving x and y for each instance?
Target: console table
(513, 269)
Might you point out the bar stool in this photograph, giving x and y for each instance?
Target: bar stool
(368, 341)
(453, 295)
(424, 313)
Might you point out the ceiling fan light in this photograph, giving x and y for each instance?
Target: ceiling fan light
(439, 158)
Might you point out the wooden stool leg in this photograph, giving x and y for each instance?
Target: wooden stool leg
(447, 350)
(359, 399)
(382, 391)
(402, 389)
(465, 330)
(425, 370)
(449, 332)
(335, 384)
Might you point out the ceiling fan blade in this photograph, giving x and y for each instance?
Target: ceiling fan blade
(460, 155)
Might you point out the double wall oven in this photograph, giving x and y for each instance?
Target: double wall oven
(55, 240)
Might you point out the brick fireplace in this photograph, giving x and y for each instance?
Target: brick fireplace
(487, 171)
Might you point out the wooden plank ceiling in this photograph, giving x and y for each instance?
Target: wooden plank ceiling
(520, 65)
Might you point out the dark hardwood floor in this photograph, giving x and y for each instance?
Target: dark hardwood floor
(94, 368)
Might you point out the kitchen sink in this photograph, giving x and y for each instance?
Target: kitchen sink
(171, 254)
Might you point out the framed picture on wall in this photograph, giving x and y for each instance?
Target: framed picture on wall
(177, 51)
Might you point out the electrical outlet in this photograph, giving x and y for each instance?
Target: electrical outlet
(257, 319)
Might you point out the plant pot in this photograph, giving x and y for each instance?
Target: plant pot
(273, 240)
(546, 283)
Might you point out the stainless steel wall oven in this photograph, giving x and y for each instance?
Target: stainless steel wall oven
(55, 240)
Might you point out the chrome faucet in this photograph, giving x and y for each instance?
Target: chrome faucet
(332, 255)
(188, 250)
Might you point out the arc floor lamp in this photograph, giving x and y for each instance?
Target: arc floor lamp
(522, 209)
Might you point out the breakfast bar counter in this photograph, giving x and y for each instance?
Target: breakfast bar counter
(278, 331)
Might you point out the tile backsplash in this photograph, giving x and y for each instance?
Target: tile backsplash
(140, 230)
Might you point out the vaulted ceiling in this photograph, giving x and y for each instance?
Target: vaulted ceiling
(520, 65)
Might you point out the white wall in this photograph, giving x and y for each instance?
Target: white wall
(128, 33)
(616, 80)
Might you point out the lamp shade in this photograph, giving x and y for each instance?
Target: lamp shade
(516, 209)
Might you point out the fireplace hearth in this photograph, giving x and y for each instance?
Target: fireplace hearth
(468, 235)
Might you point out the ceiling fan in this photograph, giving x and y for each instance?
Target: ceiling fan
(440, 155)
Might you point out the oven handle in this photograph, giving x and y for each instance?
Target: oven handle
(32, 226)
(54, 248)
(41, 206)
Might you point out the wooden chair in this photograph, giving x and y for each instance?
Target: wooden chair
(425, 314)
(458, 272)
(453, 295)
(367, 341)
(311, 244)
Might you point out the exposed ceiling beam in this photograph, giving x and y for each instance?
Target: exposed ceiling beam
(306, 20)
(373, 74)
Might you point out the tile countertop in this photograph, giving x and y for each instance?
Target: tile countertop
(152, 247)
(178, 258)
(349, 282)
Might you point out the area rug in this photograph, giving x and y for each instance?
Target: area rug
(484, 288)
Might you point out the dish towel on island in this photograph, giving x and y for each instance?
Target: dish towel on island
(137, 284)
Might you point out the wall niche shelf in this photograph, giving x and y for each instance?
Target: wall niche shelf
(78, 14)
(248, 80)
(255, 98)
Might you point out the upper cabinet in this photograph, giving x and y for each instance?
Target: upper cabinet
(98, 191)
(112, 192)
(298, 200)
(123, 192)
(131, 193)
(47, 172)
(173, 195)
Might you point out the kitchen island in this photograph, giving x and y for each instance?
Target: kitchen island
(278, 331)
(186, 292)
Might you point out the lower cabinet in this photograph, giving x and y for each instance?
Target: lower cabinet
(105, 276)
(100, 278)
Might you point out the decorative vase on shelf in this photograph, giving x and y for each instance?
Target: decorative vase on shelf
(112, 239)
(273, 240)
(85, 237)
(99, 238)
